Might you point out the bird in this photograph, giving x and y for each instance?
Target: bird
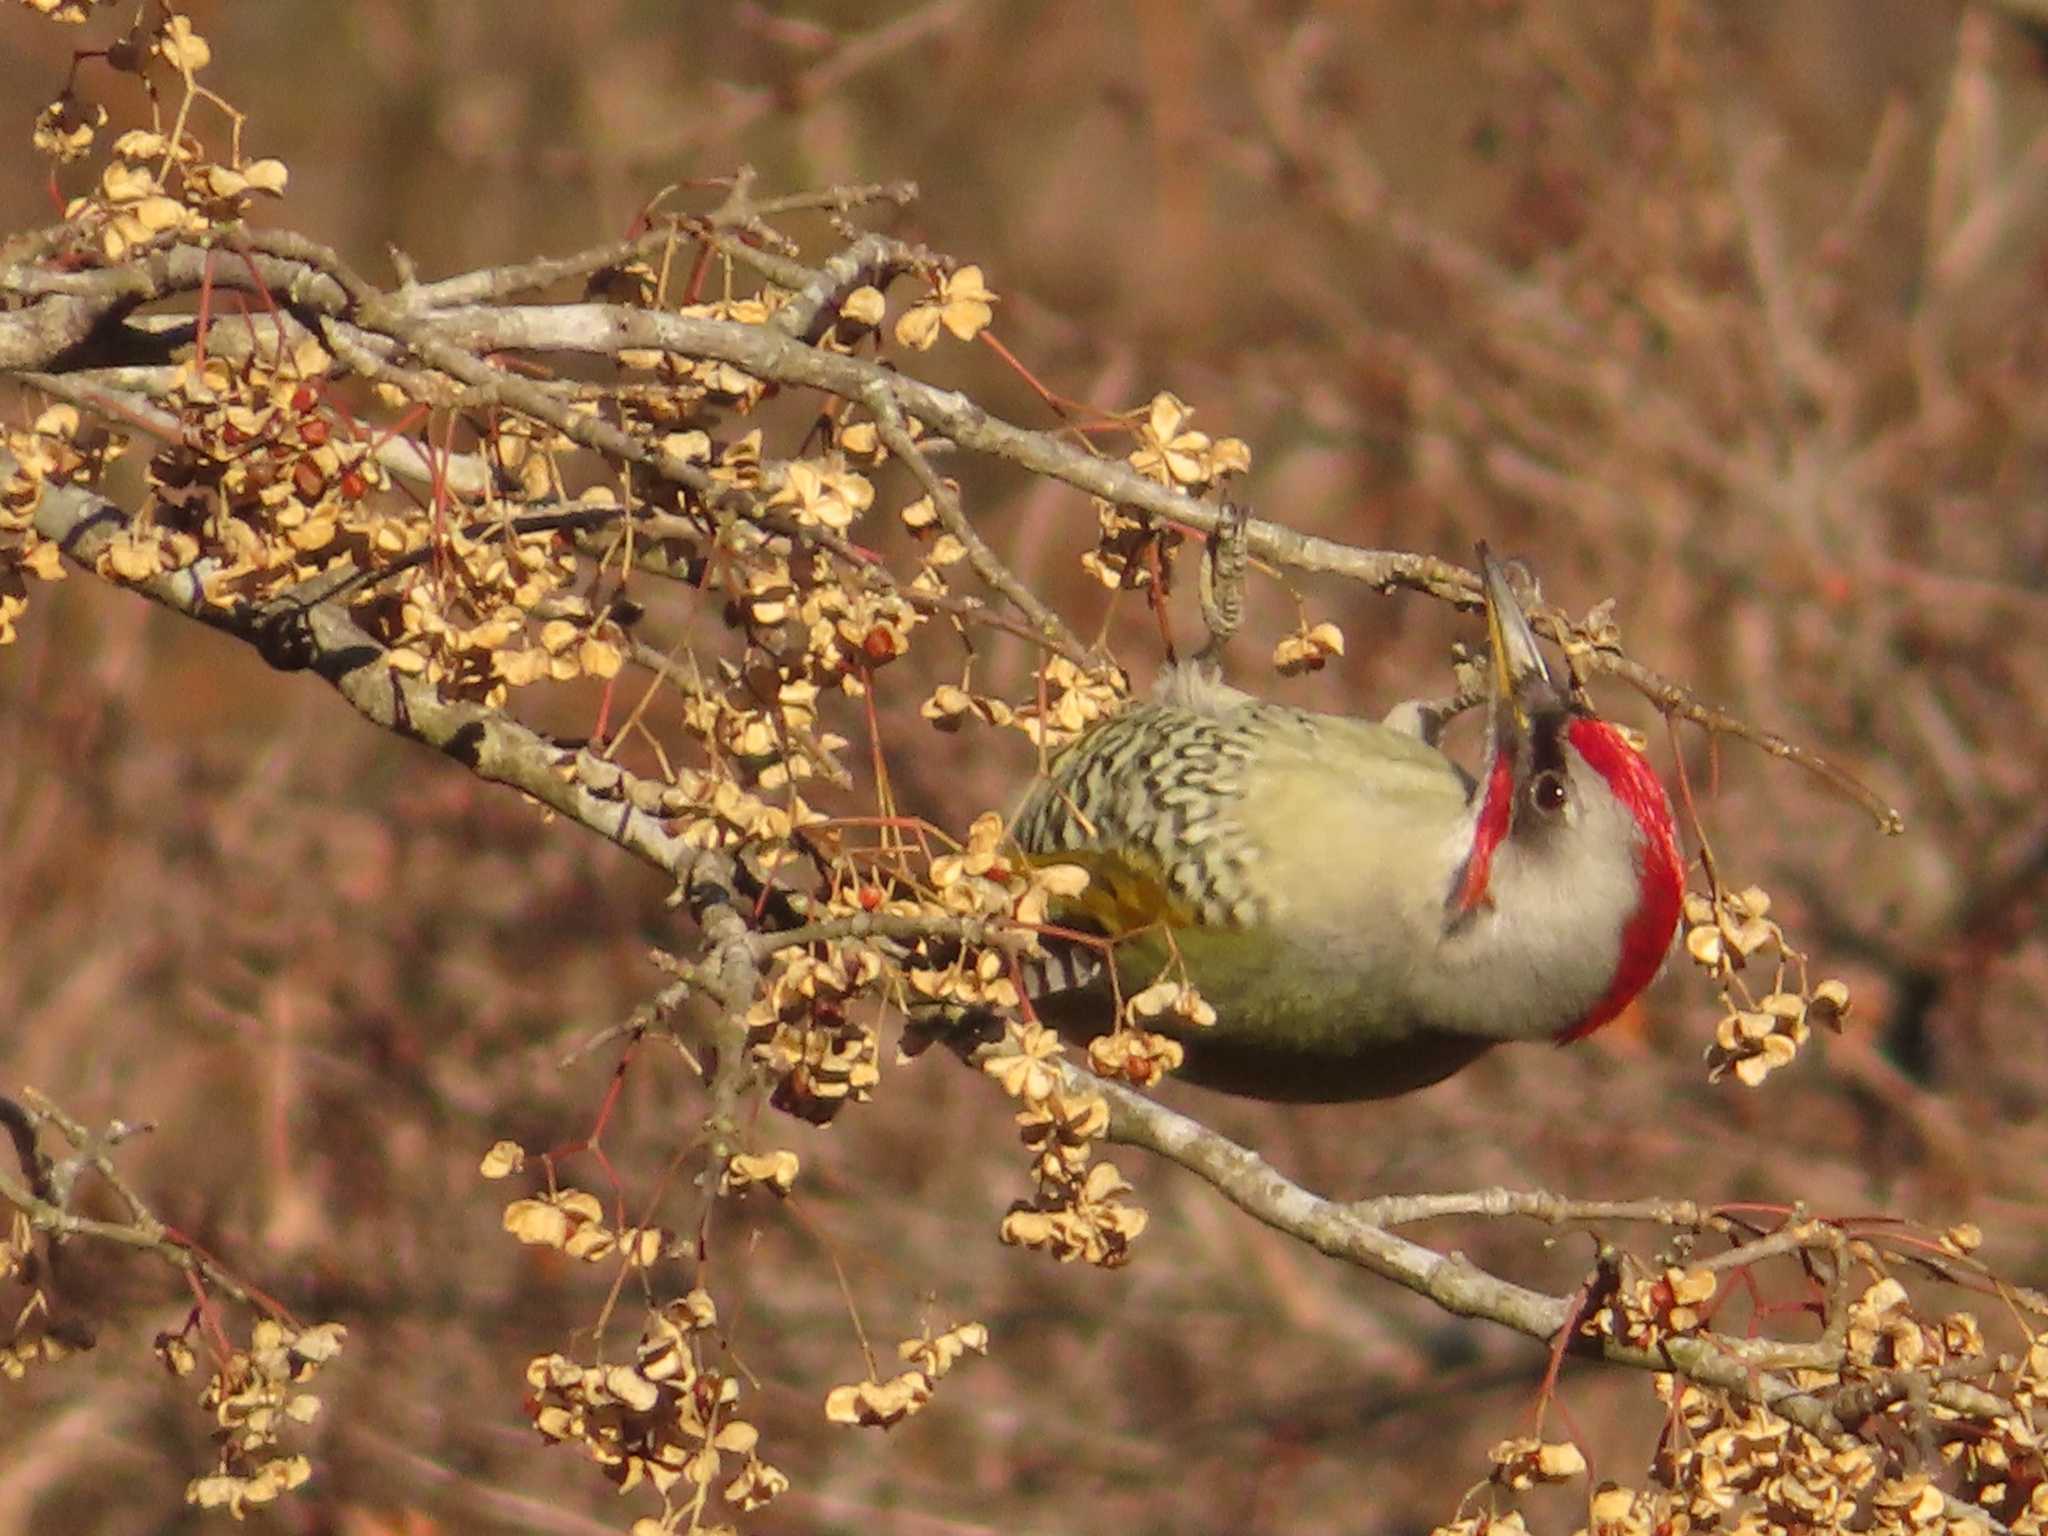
(1362, 915)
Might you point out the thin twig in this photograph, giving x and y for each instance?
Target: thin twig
(1048, 626)
(1674, 699)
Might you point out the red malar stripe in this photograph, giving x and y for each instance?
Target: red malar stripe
(1646, 938)
(1487, 835)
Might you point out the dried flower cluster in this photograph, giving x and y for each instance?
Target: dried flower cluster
(155, 184)
(775, 1171)
(71, 11)
(1923, 1458)
(25, 1352)
(1760, 1029)
(1079, 1211)
(154, 188)
(1526, 1461)
(808, 1033)
(666, 1418)
(28, 1342)
(57, 449)
(572, 1221)
(1073, 698)
(1308, 649)
(1132, 550)
(807, 1038)
(960, 303)
(255, 1395)
(1137, 1053)
(1646, 1310)
(1721, 1457)
(881, 1404)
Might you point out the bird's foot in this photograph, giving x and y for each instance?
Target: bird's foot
(1225, 558)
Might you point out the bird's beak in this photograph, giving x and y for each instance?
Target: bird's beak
(1521, 681)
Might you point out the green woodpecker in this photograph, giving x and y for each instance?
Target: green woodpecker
(1363, 916)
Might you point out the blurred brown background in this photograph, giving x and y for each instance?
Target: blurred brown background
(1731, 311)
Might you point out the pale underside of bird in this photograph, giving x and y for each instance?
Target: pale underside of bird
(1363, 915)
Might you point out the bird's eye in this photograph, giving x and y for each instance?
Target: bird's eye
(1547, 793)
